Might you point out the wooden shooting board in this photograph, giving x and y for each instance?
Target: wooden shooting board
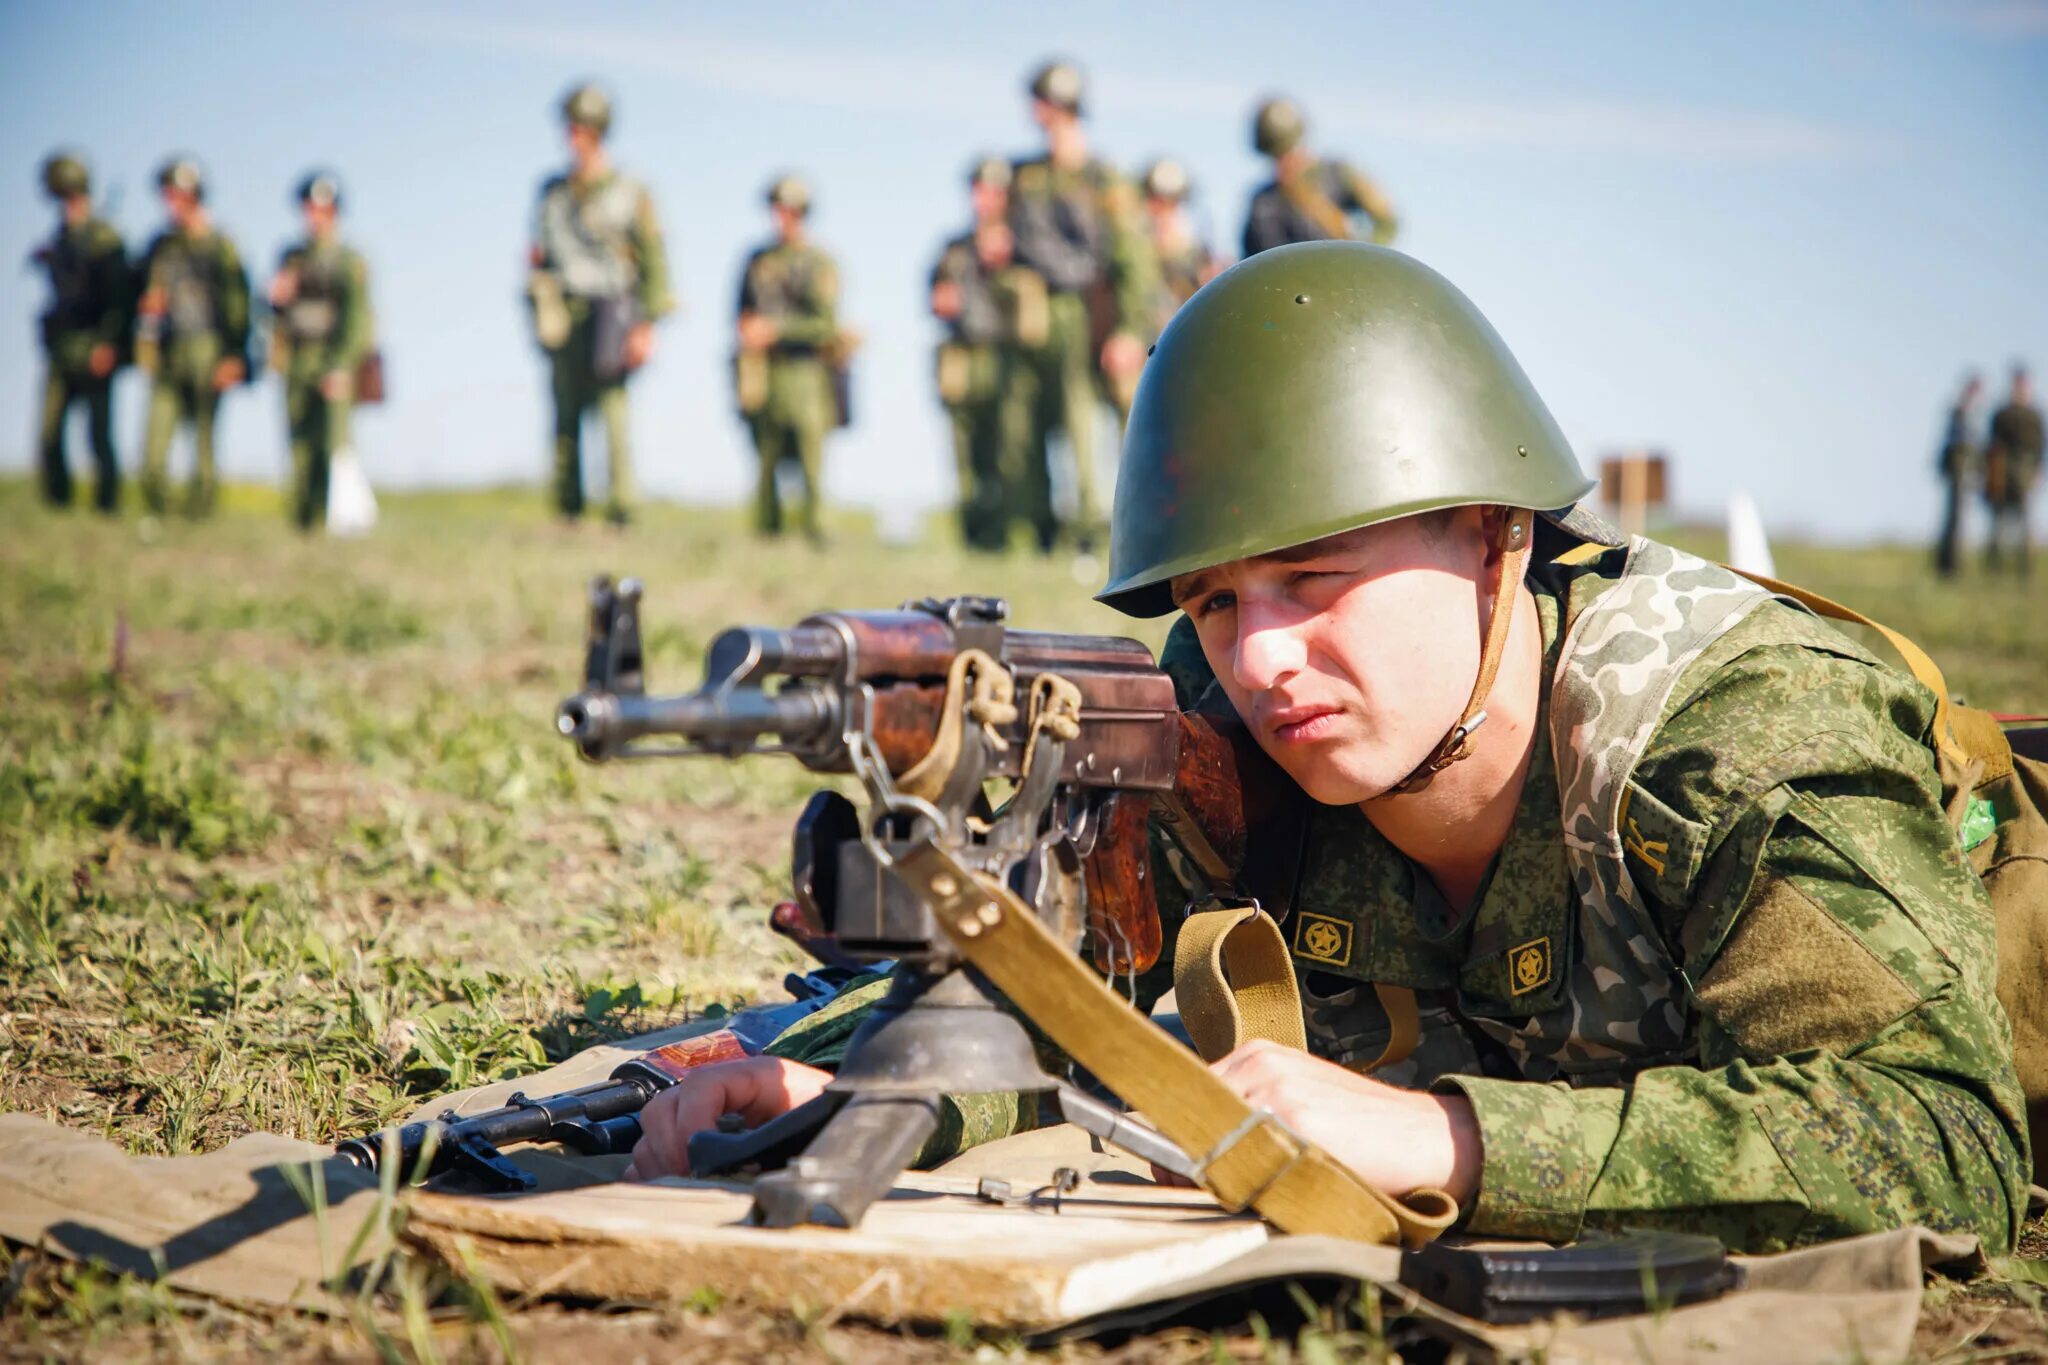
(931, 1248)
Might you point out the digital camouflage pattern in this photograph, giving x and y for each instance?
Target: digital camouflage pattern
(797, 285)
(1759, 1004)
(199, 282)
(968, 373)
(1785, 1032)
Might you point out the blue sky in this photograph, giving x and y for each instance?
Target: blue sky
(1766, 238)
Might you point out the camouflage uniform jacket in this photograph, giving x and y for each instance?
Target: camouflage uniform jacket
(797, 285)
(91, 293)
(1078, 230)
(1762, 1009)
(205, 287)
(326, 327)
(1184, 263)
(603, 240)
(1279, 216)
(980, 320)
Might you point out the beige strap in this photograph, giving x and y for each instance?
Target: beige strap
(1246, 1157)
(1516, 537)
(1404, 1025)
(1234, 981)
(977, 689)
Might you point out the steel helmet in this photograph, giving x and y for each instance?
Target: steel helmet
(182, 173)
(1058, 84)
(318, 187)
(588, 106)
(790, 192)
(1166, 179)
(65, 175)
(1314, 389)
(1277, 127)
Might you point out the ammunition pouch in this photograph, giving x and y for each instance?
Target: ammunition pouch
(1026, 307)
(750, 381)
(954, 373)
(549, 307)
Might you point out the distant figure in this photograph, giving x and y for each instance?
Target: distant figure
(787, 331)
(192, 334)
(1185, 261)
(1308, 200)
(2012, 463)
(1956, 463)
(1078, 232)
(967, 294)
(85, 332)
(321, 295)
(597, 285)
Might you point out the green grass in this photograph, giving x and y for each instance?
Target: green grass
(288, 843)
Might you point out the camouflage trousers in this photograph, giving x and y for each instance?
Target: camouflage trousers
(789, 429)
(64, 389)
(578, 390)
(1045, 389)
(181, 393)
(317, 427)
(974, 412)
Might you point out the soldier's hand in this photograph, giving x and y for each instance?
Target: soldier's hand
(100, 360)
(334, 385)
(151, 304)
(284, 288)
(1123, 355)
(757, 333)
(757, 1089)
(1395, 1140)
(639, 345)
(229, 373)
(946, 300)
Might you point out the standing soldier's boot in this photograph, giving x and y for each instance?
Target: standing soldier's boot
(56, 474)
(618, 449)
(99, 408)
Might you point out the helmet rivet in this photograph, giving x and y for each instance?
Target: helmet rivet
(1153, 347)
(1301, 298)
(1522, 451)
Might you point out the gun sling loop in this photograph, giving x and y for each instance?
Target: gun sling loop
(1246, 1158)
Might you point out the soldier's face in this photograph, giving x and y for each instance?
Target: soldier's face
(990, 201)
(1350, 657)
(584, 141)
(319, 218)
(179, 205)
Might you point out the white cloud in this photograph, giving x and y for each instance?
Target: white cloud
(904, 80)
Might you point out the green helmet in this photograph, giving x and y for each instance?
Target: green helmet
(1277, 127)
(319, 187)
(1166, 179)
(182, 173)
(1314, 389)
(1058, 84)
(65, 175)
(588, 106)
(990, 170)
(790, 192)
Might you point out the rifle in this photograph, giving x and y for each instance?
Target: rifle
(931, 707)
(595, 1120)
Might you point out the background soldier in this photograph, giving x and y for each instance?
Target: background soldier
(1075, 224)
(964, 296)
(1307, 200)
(2012, 462)
(192, 334)
(788, 328)
(1956, 463)
(599, 281)
(1185, 261)
(322, 298)
(85, 331)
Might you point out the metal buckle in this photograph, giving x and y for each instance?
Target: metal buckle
(1251, 1124)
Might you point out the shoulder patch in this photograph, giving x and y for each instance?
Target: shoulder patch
(1661, 848)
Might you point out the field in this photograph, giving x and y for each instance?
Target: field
(288, 843)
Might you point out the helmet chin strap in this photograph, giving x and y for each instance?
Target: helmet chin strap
(1516, 535)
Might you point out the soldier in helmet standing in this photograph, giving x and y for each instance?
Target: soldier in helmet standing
(85, 332)
(1628, 881)
(321, 295)
(788, 332)
(192, 334)
(967, 296)
(1185, 261)
(1075, 224)
(599, 282)
(1308, 200)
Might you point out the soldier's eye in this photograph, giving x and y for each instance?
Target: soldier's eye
(1213, 603)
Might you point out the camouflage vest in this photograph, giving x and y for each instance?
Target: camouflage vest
(1598, 996)
(315, 309)
(191, 274)
(588, 239)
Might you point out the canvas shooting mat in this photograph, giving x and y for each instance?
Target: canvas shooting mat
(1117, 1251)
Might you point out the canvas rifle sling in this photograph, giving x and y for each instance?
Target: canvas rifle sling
(1247, 1157)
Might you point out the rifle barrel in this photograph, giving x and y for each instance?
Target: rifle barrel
(601, 723)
